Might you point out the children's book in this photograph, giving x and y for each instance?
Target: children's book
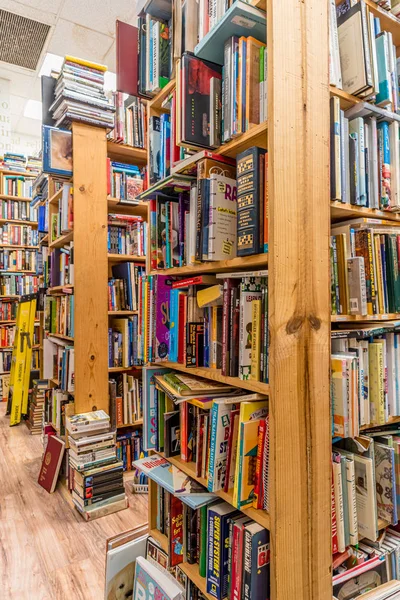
(151, 583)
(220, 424)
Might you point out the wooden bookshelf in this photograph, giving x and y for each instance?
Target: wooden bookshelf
(160, 538)
(341, 211)
(122, 369)
(59, 288)
(125, 258)
(25, 246)
(156, 102)
(44, 240)
(55, 197)
(33, 224)
(365, 318)
(125, 153)
(26, 271)
(140, 210)
(242, 263)
(11, 197)
(122, 313)
(257, 136)
(215, 375)
(59, 336)
(192, 571)
(62, 240)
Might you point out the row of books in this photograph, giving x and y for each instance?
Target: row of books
(127, 235)
(126, 400)
(18, 260)
(123, 287)
(217, 434)
(11, 161)
(232, 551)
(79, 95)
(155, 60)
(365, 158)
(7, 335)
(59, 314)
(18, 285)
(8, 310)
(62, 221)
(365, 278)
(367, 361)
(124, 181)
(122, 346)
(18, 235)
(129, 448)
(5, 365)
(55, 402)
(36, 401)
(59, 360)
(5, 362)
(130, 121)
(17, 210)
(18, 186)
(366, 66)
(58, 265)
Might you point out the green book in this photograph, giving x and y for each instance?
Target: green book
(203, 542)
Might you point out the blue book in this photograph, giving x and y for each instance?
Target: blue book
(384, 96)
(218, 548)
(256, 559)
(384, 162)
(173, 328)
(57, 150)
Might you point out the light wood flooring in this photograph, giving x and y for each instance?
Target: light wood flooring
(47, 551)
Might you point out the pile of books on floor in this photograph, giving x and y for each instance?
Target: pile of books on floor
(95, 475)
(79, 95)
(36, 406)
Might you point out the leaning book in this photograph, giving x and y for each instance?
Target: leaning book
(151, 583)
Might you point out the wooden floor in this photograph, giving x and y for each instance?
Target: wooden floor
(48, 552)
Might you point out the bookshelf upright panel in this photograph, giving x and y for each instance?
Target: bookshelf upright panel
(299, 301)
(91, 268)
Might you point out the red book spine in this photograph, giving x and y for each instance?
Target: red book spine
(120, 419)
(266, 204)
(335, 546)
(237, 567)
(258, 501)
(225, 326)
(184, 439)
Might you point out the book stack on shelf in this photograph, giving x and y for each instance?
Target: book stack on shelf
(34, 164)
(130, 121)
(96, 476)
(36, 403)
(79, 95)
(13, 162)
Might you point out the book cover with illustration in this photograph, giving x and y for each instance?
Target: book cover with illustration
(220, 425)
(250, 289)
(120, 568)
(222, 236)
(385, 483)
(162, 295)
(151, 583)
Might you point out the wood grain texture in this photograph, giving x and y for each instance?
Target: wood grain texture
(91, 268)
(48, 552)
(298, 136)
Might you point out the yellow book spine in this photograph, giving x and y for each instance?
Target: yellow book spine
(214, 318)
(85, 63)
(255, 340)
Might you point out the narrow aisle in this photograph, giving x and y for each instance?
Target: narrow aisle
(47, 551)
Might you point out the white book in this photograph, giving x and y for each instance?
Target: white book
(222, 240)
(334, 63)
(351, 499)
(120, 567)
(374, 60)
(249, 291)
(373, 172)
(337, 485)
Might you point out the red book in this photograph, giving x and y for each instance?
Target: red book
(258, 500)
(237, 556)
(51, 463)
(198, 280)
(182, 307)
(184, 432)
(175, 538)
(119, 411)
(335, 546)
(126, 42)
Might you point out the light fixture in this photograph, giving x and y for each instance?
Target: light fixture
(33, 109)
(51, 62)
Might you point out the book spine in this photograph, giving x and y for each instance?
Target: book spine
(247, 566)
(213, 440)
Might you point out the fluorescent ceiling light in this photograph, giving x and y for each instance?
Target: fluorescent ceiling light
(52, 62)
(110, 81)
(33, 110)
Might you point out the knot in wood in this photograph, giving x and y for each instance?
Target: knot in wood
(82, 188)
(294, 324)
(315, 322)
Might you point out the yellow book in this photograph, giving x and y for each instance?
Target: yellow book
(247, 462)
(210, 295)
(376, 382)
(214, 341)
(249, 411)
(339, 397)
(256, 340)
(85, 63)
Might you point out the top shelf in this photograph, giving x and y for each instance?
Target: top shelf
(125, 153)
(18, 173)
(256, 261)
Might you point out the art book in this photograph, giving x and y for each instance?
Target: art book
(174, 481)
(385, 483)
(57, 151)
(220, 425)
(151, 583)
(250, 289)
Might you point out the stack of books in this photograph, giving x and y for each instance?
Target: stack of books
(36, 406)
(79, 95)
(96, 477)
(34, 164)
(13, 162)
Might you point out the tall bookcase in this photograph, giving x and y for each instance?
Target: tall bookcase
(297, 139)
(92, 264)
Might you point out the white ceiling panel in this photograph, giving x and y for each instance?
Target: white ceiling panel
(110, 60)
(45, 6)
(69, 38)
(100, 16)
(29, 126)
(30, 10)
(17, 104)
(21, 84)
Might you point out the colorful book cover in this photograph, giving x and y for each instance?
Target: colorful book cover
(218, 545)
(247, 461)
(162, 316)
(232, 450)
(175, 538)
(150, 583)
(250, 289)
(220, 422)
(385, 483)
(384, 163)
(222, 238)
(256, 559)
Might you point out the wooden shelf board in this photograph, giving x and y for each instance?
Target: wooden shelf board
(261, 4)
(341, 211)
(388, 21)
(390, 421)
(60, 337)
(9, 297)
(44, 240)
(34, 347)
(346, 100)
(11, 197)
(122, 369)
(33, 224)
(121, 313)
(192, 571)
(62, 240)
(17, 271)
(160, 538)
(215, 375)
(59, 288)
(125, 153)
(19, 173)
(156, 102)
(260, 516)
(134, 424)
(234, 264)
(257, 136)
(364, 319)
(8, 322)
(139, 210)
(25, 246)
(56, 197)
(55, 381)
(125, 257)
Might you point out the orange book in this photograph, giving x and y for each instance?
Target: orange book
(119, 411)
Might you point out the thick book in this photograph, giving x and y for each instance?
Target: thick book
(218, 545)
(126, 41)
(250, 201)
(51, 463)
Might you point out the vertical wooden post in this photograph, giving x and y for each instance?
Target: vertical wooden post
(91, 268)
(298, 133)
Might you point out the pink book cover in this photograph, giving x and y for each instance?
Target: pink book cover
(163, 288)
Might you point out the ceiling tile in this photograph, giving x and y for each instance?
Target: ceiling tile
(100, 16)
(109, 59)
(35, 10)
(45, 6)
(29, 126)
(21, 84)
(17, 104)
(69, 38)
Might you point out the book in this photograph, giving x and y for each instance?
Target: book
(150, 582)
(57, 151)
(51, 463)
(222, 240)
(256, 559)
(120, 566)
(250, 199)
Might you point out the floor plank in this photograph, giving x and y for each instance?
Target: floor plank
(47, 551)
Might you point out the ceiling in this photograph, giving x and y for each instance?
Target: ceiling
(83, 28)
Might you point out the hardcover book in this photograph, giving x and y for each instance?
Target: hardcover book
(57, 151)
(51, 463)
(151, 583)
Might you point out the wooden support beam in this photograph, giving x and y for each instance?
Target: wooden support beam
(91, 268)
(298, 144)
